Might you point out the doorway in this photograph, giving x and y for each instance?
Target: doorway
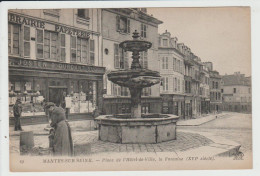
(57, 95)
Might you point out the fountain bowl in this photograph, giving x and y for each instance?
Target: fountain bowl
(134, 78)
(151, 128)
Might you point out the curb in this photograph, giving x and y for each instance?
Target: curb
(221, 147)
(198, 124)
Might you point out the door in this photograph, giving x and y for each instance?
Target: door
(57, 95)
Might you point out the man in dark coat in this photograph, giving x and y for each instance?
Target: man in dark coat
(62, 139)
(17, 114)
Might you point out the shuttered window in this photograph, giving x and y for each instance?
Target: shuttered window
(143, 59)
(120, 57)
(122, 24)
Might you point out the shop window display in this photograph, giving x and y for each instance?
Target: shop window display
(29, 90)
(83, 96)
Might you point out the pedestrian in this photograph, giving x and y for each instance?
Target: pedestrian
(17, 114)
(62, 144)
(95, 115)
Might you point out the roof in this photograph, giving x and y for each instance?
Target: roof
(236, 79)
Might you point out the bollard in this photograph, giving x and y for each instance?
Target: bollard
(26, 141)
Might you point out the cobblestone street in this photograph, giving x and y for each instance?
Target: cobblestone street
(234, 127)
(88, 143)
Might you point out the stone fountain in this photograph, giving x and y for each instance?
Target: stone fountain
(136, 127)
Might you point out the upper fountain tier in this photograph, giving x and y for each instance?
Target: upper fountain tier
(135, 45)
(136, 77)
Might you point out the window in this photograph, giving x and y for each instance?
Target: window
(120, 57)
(178, 66)
(165, 83)
(73, 49)
(122, 24)
(216, 85)
(143, 59)
(116, 89)
(146, 91)
(222, 90)
(39, 45)
(82, 50)
(83, 13)
(179, 85)
(175, 84)
(174, 64)
(13, 39)
(181, 67)
(143, 30)
(26, 39)
(213, 85)
(165, 42)
(234, 90)
(165, 63)
(125, 91)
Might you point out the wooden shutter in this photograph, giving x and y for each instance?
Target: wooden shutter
(116, 56)
(118, 23)
(26, 41)
(92, 52)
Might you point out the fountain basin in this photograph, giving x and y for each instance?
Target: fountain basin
(151, 128)
(134, 78)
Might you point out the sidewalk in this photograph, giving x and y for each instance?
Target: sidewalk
(200, 120)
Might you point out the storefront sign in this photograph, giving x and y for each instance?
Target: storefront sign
(47, 65)
(70, 31)
(24, 20)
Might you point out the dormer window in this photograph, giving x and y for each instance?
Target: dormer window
(165, 42)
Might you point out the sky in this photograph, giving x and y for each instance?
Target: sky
(219, 35)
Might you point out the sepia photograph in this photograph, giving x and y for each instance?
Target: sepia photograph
(129, 89)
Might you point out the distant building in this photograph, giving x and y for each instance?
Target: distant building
(172, 73)
(215, 89)
(118, 25)
(236, 90)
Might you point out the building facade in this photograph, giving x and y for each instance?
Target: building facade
(118, 26)
(172, 73)
(236, 91)
(215, 89)
(55, 55)
(204, 89)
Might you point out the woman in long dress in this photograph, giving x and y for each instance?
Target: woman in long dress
(62, 140)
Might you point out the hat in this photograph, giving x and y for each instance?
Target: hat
(49, 104)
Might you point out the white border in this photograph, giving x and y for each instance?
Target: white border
(255, 20)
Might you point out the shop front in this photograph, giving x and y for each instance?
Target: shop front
(188, 107)
(205, 106)
(77, 88)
